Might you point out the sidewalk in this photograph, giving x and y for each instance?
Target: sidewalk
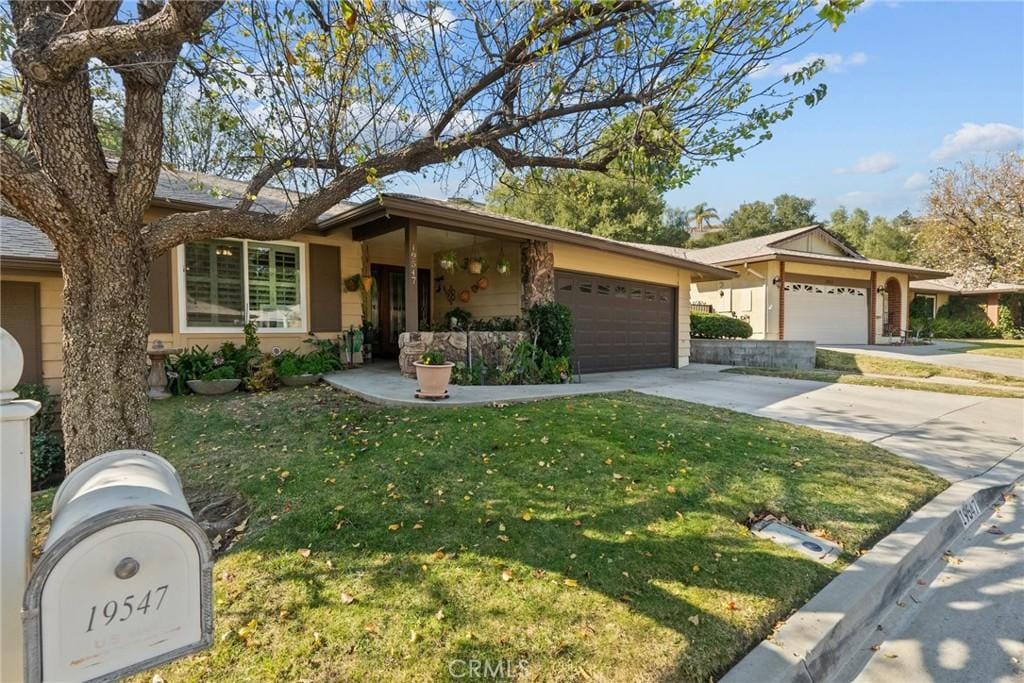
(967, 623)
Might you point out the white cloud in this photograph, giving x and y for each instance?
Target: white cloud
(916, 181)
(834, 62)
(880, 162)
(972, 138)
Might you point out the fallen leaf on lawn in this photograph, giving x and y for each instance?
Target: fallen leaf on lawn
(616, 475)
(506, 575)
(215, 543)
(577, 522)
(439, 615)
(503, 538)
(284, 475)
(527, 516)
(670, 488)
(347, 598)
(417, 525)
(608, 461)
(157, 678)
(439, 554)
(569, 582)
(501, 527)
(304, 552)
(414, 637)
(731, 606)
(695, 620)
(394, 527)
(241, 527)
(696, 567)
(371, 628)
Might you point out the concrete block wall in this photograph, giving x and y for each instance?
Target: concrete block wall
(754, 353)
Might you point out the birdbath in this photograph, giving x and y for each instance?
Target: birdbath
(157, 374)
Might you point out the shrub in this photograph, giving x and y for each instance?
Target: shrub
(948, 328)
(552, 327)
(715, 326)
(220, 372)
(263, 376)
(189, 364)
(47, 446)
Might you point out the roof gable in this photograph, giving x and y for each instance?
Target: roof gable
(816, 241)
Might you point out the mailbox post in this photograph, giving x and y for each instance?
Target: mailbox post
(15, 505)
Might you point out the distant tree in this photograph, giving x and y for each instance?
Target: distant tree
(700, 216)
(975, 222)
(852, 228)
(594, 203)
(891, 240)
(674, 232)
(203, 135)
(754, 219)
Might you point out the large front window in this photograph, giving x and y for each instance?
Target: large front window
(230, 282)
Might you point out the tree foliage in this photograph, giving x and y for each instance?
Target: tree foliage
(754, 219)
(975, 223)
(335, 96)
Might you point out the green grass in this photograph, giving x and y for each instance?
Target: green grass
(862, 363)
(1003, 348)
(598, 537)
(836, 376)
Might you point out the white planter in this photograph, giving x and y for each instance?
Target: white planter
(213, 387)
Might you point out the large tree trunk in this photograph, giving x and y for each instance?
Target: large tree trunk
(106, 324)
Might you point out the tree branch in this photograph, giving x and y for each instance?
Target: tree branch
(31, 194)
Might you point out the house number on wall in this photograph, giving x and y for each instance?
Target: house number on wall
(128, 607)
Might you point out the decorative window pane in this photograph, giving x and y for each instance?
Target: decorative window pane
(213, 284)
(274, 286)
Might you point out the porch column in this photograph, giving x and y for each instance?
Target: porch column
(412, 297)
(872, 304)
(992, 308)
(538, 272)
(782, 300)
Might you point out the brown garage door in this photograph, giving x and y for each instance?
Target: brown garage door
(19, 315)
(620, 324)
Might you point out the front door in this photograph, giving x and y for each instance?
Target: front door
(389, 306)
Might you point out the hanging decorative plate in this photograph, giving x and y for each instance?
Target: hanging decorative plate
(465, 296)
(483, 283)
(449, 293)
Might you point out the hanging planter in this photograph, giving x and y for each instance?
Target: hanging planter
(504, 264)
(353, 283)
(447, 261)
(476, 264)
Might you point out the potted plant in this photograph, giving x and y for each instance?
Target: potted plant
(447, 261)
(433, 373)
(476, 264)
(504, 265)
(353, 283)
(296, 370)
(221, 380)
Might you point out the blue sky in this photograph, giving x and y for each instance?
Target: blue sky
(904, 81)
(907, 75)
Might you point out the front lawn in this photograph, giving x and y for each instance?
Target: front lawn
(1004, 348)
(597, 537)
(864, 363)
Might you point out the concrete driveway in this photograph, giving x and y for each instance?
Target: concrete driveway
(957, 437)
(940, 353)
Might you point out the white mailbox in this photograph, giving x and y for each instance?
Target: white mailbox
(125, 579)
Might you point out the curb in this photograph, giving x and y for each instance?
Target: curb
(814, 643)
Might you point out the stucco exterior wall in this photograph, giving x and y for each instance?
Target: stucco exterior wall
(743, 297)
(904, 280)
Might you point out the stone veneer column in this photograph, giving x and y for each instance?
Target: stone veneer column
(538, 271)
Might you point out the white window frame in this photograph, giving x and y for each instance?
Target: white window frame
(303, 296)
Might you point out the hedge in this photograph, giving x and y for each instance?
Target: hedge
(714, 326)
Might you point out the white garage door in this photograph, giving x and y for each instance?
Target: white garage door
(826, 314)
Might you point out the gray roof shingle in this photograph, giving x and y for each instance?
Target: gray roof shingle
(22, 240)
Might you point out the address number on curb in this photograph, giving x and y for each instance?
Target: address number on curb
(969, 511)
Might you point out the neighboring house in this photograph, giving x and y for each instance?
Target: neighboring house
(630, 302)
(937, 293)
(807, 284)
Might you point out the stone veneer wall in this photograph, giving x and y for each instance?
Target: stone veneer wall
(487, 345)
(754, 353)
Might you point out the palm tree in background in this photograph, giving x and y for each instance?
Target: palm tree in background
(699, 216)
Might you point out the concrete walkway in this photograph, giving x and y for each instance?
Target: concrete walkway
(956, 437)
(940, 353)
(967, 623)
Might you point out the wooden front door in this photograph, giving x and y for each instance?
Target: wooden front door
(19, 315)
(389, 307)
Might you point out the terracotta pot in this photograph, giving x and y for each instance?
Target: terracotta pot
(213, 387)
(465, 296)
(433, 379)
(483, 283)
(299, 380)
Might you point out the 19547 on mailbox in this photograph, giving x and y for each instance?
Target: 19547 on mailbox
(125, 579)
